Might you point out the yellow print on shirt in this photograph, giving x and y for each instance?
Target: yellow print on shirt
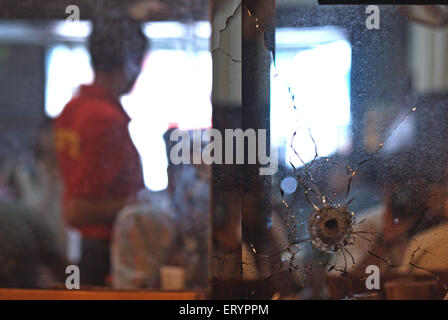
(68, 141)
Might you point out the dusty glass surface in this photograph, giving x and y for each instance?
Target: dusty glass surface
(358, 113)
(159, 240)
(358, 206)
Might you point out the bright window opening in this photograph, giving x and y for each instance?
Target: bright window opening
(312, 73)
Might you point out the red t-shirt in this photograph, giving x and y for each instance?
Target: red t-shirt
(96, 155)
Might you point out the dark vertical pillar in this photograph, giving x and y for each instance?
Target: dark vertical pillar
(258, 42)
(242, 34)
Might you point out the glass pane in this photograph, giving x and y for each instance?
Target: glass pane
(89, 111)
(357, 113)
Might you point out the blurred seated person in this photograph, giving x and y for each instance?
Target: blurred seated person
(429, 248)
(32, 249)
(36, 184)
(30, 257)
(402, 216)
(169, 227)
(386, 230)
(192, 190)
(142, 238)
(100, 166)
(41, 186)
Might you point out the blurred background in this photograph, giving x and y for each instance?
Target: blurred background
(357, 116)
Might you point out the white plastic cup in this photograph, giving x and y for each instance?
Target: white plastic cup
(172, 278)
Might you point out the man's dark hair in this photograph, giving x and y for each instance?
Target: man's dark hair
(114, 40)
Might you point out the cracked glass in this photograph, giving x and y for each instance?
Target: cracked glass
(353, 102)
(357, 115)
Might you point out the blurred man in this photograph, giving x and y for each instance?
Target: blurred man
(100, 166)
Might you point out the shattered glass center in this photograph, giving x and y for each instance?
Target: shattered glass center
(330, 228)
